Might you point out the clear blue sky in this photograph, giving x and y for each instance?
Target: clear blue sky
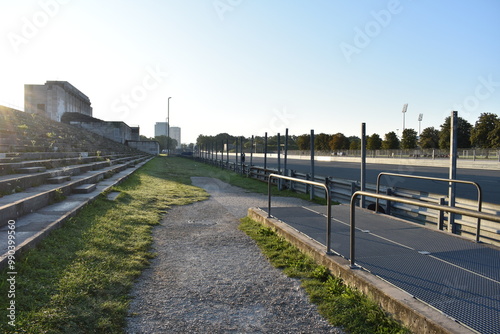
(250, 66)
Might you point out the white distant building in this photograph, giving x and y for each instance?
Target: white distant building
(55, 98)
(161, 129)
(175, 133)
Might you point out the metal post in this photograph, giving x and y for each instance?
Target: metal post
(363, 163)
(168, 125)
(312, 163)
(227, 152)
(222, 154)
(241, 160)
(286, 152)
(453, 168)
(441, 214)
(269, 197)
(312, 183)
(265, 152)
(251, 152)
(236, 157)
(352, 229)
(279, 161)
(388, 203)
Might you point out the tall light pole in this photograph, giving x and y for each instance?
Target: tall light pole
(405, 107)
(168, 125)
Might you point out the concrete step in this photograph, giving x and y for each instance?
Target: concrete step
(30, 200)
(10, 184)
(84, 188)
(31, 170)
(9, 166)
(59, 179)
(35, 225)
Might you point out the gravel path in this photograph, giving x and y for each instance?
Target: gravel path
(209, 277)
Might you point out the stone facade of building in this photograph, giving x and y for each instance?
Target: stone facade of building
(55, 98)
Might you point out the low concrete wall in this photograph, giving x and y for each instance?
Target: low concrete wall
(415, 315)
(117, 131)
(150, 147)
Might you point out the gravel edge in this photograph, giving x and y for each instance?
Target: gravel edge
(208, 276)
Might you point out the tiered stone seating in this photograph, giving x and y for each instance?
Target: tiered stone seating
(45, 163)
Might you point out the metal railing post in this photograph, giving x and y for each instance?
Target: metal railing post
(446, 208)
(363, 163)
(352, 227)
(269, 197)
(440, 224)
(478, 187)
(312, 183)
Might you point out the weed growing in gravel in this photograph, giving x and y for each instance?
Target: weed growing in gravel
(342, 306)
(78, 279)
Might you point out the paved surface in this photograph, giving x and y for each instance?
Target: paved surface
(456, 276)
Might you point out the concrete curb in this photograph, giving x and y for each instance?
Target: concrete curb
(414, 314)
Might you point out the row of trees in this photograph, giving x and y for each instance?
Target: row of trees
(167, 143)
(484, 134)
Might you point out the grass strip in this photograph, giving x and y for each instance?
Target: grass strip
(78, 279)
(341, 305)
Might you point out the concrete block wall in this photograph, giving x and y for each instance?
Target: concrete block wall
(150, 147)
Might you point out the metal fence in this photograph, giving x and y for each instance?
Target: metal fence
(341, 191)
(472, 154)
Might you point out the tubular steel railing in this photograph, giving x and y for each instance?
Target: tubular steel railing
(479, 192)
(460, 211)
(317, 184)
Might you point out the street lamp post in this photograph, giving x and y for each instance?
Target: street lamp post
(168, 125)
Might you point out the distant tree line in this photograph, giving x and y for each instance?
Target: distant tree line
(167, 143)
(484, 134)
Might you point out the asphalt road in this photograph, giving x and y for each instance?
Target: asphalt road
(489, 180)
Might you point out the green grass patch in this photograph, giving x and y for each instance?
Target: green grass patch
(341, 305)
(78, 279)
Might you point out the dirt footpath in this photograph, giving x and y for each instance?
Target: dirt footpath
(209, 277)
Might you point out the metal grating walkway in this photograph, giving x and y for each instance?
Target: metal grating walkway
(458, 277)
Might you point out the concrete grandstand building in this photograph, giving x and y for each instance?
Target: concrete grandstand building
(55, 98)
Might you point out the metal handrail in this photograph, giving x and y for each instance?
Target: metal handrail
(460, 211)
(479, 192)
(328, 203)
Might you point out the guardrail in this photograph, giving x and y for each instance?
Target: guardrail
(312, 183)
(440, 224)
(342, 191)
(460, 211)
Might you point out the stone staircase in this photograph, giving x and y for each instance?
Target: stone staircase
(49, 170)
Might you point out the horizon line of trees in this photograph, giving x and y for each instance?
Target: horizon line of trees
(484, 134)
(168, 143)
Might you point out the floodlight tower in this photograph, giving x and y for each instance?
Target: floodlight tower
(405, 107)
(420, 117)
